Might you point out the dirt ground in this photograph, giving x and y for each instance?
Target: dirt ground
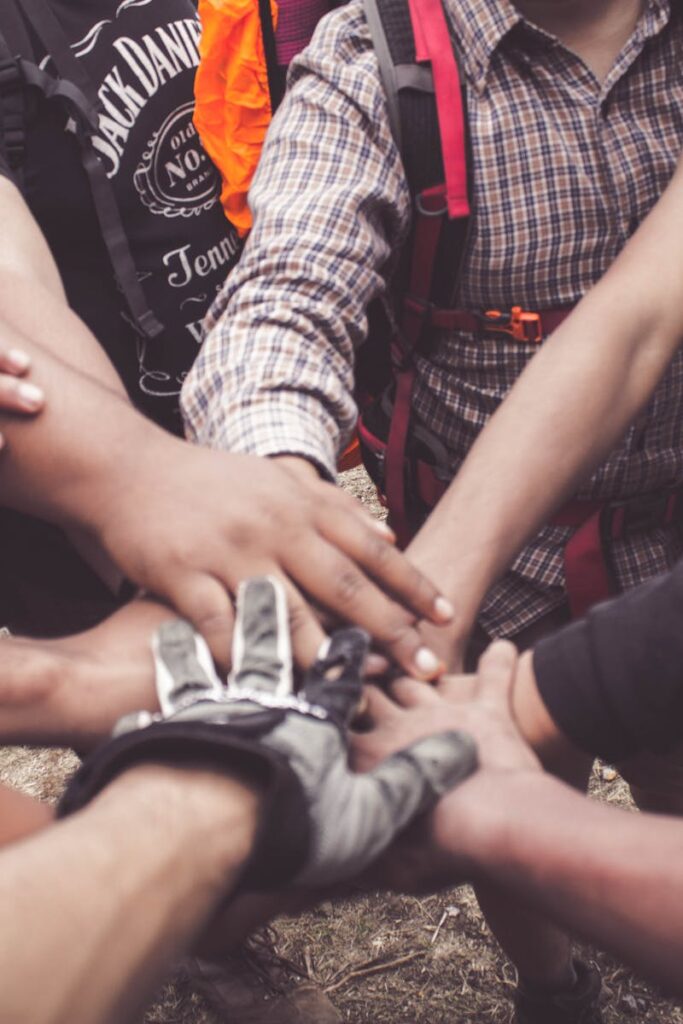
(388, 959)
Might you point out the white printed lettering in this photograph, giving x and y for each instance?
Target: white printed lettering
(139, 63)
(161, 62)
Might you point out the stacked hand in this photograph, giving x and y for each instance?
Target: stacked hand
(191, 524)
(447, 849)
(321, 821)
(17, 395)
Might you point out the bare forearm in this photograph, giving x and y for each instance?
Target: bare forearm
(140, 871)
(565, 413)
(62, 466)
(32, 300)
(72, 691)
(614, 878)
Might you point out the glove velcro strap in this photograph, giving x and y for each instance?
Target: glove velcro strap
(282, 844)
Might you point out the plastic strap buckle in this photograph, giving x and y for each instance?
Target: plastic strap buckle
(519, 324)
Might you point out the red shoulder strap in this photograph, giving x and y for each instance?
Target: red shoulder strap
(433, 43)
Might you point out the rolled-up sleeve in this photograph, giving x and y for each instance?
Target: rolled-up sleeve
(331, 209)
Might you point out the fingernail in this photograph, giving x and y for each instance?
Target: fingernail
(31, 395)
(382, 528)
(427, 663)
(444, 609)
(18, 360)
(376, 665)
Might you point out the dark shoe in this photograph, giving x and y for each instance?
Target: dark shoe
(579, 1005)
(256, 986)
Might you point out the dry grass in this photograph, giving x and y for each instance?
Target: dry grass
(458, 977)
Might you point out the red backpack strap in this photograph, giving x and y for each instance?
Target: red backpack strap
(419, 70)
(433, 44)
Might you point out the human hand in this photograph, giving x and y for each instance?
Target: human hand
(189, 524)
(447, 848)
(71, 691)
(323, 822)
(448, 642)
(17, 395)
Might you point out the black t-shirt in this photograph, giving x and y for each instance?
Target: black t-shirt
(141, 57)
(613, 682)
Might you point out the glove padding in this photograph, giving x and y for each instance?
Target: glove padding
(322, 823)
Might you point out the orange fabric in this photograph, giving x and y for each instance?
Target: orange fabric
(232, 102)
(351, 456)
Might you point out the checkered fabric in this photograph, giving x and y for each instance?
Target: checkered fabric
(565, 169)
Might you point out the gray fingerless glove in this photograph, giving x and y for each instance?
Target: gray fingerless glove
(321, 822)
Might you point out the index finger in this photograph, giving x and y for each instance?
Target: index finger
(390, 568)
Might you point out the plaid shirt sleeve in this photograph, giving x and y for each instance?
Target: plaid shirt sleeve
(331, 207)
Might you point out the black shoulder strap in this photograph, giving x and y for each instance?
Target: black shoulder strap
(72, 86)
(413, 114)
(409, 89)
(276, 73)
(14, 46)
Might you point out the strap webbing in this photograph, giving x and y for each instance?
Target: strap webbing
(116, 241)
(433, 43)
(51, 34)
(276, 82)
(394, 476)
(387, 68)
(74, 88)
(12, 27)
(14, 42)
(430, 218)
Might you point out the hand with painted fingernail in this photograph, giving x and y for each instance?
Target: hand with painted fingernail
(17, 395)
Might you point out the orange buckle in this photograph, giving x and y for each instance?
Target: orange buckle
(518, 323)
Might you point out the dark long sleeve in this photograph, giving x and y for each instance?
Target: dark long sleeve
(613, 683)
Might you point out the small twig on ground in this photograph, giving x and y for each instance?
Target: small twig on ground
(448, 912)
(371, 967)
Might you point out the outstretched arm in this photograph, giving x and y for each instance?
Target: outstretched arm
(612, 877)
(184, 522)
(70, 692)
(568, 409)
(140, 872)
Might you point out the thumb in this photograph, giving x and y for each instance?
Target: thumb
(386, 799)
(413, 779)
(495, 671)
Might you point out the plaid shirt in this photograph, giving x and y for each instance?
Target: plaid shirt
(565, 169)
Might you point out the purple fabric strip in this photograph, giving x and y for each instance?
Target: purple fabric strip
(296, 21)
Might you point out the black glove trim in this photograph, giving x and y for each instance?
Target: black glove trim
(283, 839)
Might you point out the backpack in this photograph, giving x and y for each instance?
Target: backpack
(238, 87)
(419, 68)
(72, 88)
(418, 63)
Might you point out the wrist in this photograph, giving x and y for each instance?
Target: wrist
(476, 824)
(223, 811)
(301, 467)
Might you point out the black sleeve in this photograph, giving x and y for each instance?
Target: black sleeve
(613, 683)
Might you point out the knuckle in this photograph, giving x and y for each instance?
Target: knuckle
(349, 586)
(8, 386)
(298, 617)
(400, 635)
(381, 555)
